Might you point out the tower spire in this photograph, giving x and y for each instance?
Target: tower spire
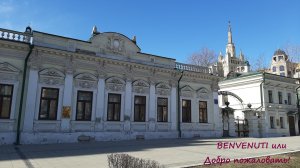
(229, 33)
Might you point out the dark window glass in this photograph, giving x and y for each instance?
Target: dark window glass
(162, 109)
(289, 98)
(140, 108)
(270, 93)
(274, 69)
(272, 122)
(84, 105)
(114, 107)
(280, 97)
(280, 58)
(186, 111)
(6, 92)
(281, 68)
(281, 122)
(203, 112)
(48, 103)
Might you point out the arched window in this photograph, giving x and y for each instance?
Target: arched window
(281, 68)
(274, 69)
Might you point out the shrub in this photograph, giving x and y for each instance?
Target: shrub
(127, 161)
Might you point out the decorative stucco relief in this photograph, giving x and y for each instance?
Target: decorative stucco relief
(140, 86)
(115, 84)
(86, 80)
(51, 76)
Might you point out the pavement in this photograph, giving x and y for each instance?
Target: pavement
(167, 152)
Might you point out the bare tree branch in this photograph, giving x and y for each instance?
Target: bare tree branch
(260, 64)
(293, 51)
(204, 57)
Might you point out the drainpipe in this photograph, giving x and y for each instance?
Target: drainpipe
(178, 105)
(31, 46)
(298, 99)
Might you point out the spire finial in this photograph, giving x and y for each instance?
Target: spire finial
(95, 31)
(229, 33)
(134, 39)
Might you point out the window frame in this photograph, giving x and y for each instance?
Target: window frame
(272, 124)
(114, 106)
(188, 116)
(84, 101)
(270, 96)
(281, 68)
(10, 102)
(162, 109)
(204, 115)
(289, 96)
(140, 106)
(48, 103)
(280, 97)
(281, 120)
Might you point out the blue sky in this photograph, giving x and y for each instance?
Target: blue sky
(169, 28)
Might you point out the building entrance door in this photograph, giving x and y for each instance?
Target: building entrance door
(292, 126)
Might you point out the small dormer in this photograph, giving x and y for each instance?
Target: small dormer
(280, 55)
(28, 30)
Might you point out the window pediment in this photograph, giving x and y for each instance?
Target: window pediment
(203, 93)
(115, 84)
(163, 89)
(140, 86)
(187, 91)
(6, 67)
(51, 76)
(86, 80)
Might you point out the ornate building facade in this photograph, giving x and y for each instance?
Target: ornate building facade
(281, 65)
(57, 89)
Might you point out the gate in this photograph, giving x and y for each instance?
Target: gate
(241, 127)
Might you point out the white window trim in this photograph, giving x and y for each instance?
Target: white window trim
(60, 101)
(13, 112)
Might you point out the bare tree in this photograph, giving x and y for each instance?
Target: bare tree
(293, 51)
(260, 64)
(204, 57)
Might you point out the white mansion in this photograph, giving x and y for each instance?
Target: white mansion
(56, 89)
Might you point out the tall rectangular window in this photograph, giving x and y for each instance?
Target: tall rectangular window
(84, 105)
(186, 111)
(48, 104)
(203, 112)
(114, 107)
(140, 108)
(289, 98)
(6, 92)
(272, 122)
(281, 122)
(162, 109)
(270, 94)
(280, 97)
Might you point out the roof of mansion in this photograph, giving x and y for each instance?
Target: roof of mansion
(111, 45)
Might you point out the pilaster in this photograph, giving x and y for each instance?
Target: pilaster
(30, 100)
